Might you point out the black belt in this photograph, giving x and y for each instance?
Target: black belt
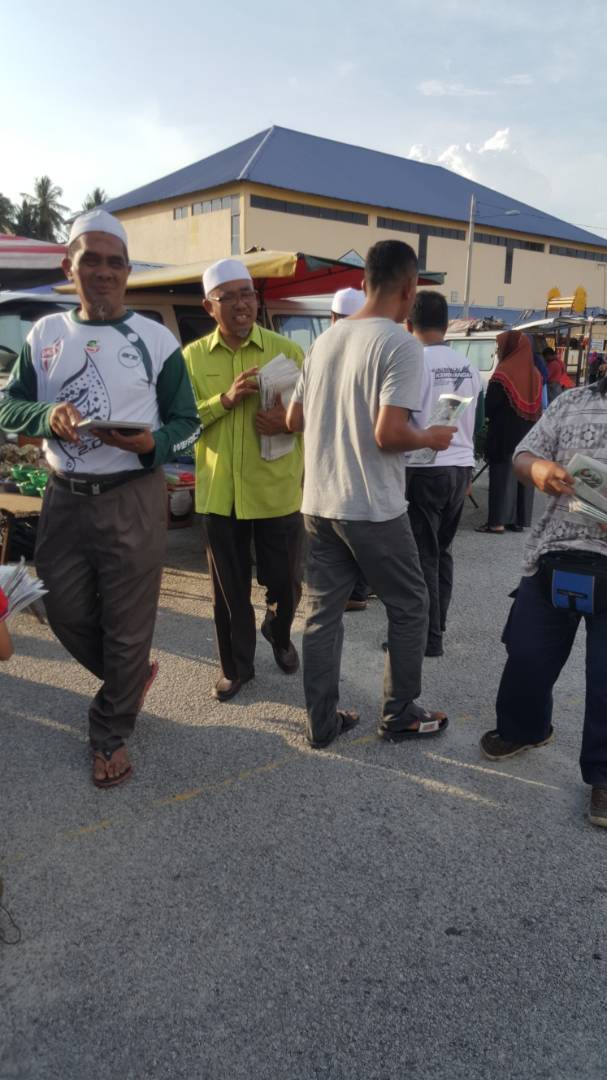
(96, 485)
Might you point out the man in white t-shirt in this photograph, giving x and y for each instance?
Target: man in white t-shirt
(436, 489)
(101, 537)
(360, 380)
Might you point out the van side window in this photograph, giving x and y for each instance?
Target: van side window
(193, 323)
(482, 354)
(302, 329)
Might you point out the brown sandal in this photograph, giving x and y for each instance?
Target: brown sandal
(110, 781)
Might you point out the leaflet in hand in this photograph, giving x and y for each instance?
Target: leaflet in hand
(448, 409)
(19, 587)
(277, 380)
(590, 486)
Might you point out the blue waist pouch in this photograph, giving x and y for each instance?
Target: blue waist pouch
(575, 581)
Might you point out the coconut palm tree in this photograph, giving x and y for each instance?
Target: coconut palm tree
(7, 214)
(50, 212)
(25, 221)
(97, 197)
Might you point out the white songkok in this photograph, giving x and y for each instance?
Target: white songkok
(97, 221)
(224, 270)
(347, 301)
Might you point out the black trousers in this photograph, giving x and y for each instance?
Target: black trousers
(510, 503)
(436, 500)
(278, 543)
(538, 639)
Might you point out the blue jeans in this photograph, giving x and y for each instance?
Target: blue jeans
(538, 640)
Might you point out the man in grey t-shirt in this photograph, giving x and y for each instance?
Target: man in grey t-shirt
(360, 380)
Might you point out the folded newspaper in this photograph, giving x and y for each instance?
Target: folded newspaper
(448, 409)
(277, 381)
(590, 487)
(20, 588)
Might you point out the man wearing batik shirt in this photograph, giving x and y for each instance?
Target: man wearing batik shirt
(101, 537)
(564, 548)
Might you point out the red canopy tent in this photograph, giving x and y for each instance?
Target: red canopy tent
(25, 263)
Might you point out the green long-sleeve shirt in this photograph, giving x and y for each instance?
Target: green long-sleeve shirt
(231, 475)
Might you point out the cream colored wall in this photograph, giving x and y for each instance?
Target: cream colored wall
(155, 236)
(533, 275)
(292, 232)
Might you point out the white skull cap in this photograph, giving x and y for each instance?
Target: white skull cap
(224, 270)
(347, 301)
(98, 221)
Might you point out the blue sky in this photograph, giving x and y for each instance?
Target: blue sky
(514, 96)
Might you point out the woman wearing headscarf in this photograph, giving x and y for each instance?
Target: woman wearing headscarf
(513, 404)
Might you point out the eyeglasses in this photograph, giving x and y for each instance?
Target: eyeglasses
(245, 296)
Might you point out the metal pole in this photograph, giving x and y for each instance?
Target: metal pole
(466, 307)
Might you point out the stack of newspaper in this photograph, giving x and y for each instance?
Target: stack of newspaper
(277, 381)
(20, 588)
(449, 408)
(590, 487)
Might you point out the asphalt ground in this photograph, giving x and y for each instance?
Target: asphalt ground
(248, 908)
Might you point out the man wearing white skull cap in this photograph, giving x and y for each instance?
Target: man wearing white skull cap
(101, 537)
(346, 302)
(242, 495)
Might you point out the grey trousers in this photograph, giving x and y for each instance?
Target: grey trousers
(386, 553)
(100, 557)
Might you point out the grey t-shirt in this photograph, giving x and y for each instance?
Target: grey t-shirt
(350, 371)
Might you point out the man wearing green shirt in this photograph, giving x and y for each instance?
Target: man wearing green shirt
(102, 531)
(240, 493)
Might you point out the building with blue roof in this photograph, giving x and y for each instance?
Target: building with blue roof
(285, 190)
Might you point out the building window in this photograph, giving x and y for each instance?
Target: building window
(422, 249)
(327, 213)
(578, 253)
(500, 301)
(414, 227)
(235, 234)
(454, 299)
(508, 267)
(180, 212)
(507, 241)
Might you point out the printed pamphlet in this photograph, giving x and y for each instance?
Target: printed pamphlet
(448, 409)
(590, 486)
(277, 380)
(20, 588)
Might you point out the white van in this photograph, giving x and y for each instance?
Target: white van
(480, 347)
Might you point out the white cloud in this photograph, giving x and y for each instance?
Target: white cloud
(498, 142)
(524, 79)
(496, 162)
(437, 88)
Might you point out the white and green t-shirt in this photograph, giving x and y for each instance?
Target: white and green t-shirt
(127, 369)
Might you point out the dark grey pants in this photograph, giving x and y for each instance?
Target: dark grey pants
(387, 555)
(436, 499)
(100, 557)
(510, 503)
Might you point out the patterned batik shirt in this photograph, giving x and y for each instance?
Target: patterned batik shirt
(575, 423)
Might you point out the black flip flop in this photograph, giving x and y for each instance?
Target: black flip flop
(486, 529)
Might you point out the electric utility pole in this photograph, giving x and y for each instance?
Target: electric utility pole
(470, 241)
